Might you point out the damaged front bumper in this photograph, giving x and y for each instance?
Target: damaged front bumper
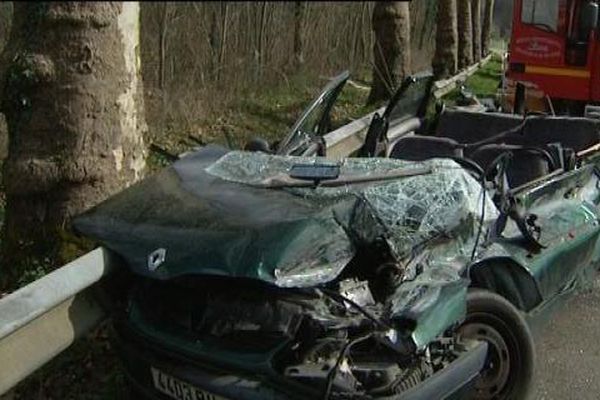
(139, 353)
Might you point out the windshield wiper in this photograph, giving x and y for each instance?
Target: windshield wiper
(284, 180)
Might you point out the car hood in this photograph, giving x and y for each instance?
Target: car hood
(210, 214)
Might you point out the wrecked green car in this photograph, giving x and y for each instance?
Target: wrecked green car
(405, 273)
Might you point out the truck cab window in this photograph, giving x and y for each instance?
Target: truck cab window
(541, 13)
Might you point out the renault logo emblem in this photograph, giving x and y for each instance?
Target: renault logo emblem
(156, 258)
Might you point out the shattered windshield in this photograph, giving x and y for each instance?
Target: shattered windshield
(408, 211)
(258, 168)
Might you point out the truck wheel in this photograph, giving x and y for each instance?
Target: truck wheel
(510, 362)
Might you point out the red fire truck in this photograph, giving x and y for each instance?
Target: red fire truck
(555, 50)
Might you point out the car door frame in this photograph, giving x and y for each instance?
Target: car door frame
(568, 249)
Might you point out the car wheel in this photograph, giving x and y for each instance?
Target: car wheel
(510, 362)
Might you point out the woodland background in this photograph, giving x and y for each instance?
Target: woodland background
(204, 63)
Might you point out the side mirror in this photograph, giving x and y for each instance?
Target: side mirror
(588, 19)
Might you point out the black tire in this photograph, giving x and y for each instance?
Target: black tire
(511, 357)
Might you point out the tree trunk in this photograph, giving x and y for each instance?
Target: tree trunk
(299, 13)
(476, 15)
(259, 50)
(465, 34)
(445, 62)
(366, 33)
(486, 30)
(162, 45)
(223, 44)
(391, 50)
(214, 41)
(72, 97)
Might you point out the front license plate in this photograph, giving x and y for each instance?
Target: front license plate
(179, 390)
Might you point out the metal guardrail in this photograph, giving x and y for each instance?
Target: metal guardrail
(349, 138)
(40, 320)
(445, 86)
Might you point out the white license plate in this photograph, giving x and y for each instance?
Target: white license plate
(178, 389)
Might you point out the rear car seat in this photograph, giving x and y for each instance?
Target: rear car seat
(527, 163)
(470, 127)
(420, 148)
(574, 133)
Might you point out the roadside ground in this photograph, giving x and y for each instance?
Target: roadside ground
(568, 350)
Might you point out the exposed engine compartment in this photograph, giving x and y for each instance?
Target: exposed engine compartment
(336, 337)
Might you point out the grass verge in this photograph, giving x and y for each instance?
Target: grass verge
(268, 114)
(483, 83)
